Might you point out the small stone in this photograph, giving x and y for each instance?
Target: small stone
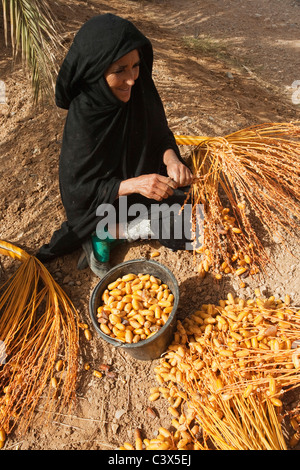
(67, 279)
(114, 428)
(151, 413)
(111, 374)
(119, 413)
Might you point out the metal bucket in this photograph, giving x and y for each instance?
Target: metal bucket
(153, 347)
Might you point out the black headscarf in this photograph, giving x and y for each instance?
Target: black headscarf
(105, 140)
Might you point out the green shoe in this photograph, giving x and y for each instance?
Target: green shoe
(102, 246)
(101, 249)
(100, 268)
(96, 253)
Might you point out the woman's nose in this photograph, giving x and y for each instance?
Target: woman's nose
(130, 79)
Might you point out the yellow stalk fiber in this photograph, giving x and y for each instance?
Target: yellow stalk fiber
(38, 327)
(235, 399)
(254, 171)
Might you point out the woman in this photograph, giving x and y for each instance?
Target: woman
(116, 140)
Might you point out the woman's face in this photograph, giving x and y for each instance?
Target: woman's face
(121, 75)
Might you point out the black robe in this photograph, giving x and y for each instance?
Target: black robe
(105, 140)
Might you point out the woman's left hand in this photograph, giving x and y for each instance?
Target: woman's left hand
(176, 170)
(180, 174)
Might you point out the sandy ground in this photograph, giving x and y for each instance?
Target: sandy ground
(220, 66)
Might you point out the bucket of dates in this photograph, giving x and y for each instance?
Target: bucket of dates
(134, 308)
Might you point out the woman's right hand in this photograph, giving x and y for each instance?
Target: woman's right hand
(152, 186)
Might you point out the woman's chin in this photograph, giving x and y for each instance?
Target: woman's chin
(124, 96)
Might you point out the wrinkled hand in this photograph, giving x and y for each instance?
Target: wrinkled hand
(176, 170)
(179, 173)
(154, 186)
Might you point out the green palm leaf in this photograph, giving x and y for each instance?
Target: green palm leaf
(33, 33)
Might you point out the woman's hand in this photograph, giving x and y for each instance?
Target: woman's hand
(159, 187)
(152, 186)
(176, 170)
(180, 174)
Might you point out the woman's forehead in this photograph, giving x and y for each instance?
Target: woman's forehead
(131, 57)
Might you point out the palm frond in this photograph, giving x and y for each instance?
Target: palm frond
(38, 328)
(257, 170)
(33, 34)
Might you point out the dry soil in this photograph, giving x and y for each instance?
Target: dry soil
(220, 66)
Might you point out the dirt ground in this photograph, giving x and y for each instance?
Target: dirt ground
(220, 66)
